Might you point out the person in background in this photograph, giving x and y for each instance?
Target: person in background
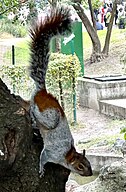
(102, 14)
(106, 6)
(121, 12)
(116, 16)
(99, 26)
(121, 18)
(110, 5)
(96, 12)
(108, 16)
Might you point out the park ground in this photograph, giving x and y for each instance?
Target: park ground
(94, 131)
(98, 132)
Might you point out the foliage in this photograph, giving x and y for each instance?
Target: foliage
(16, 30)
(61, 75)
(96, 4)
(17, 79)
(23, 11)
(68, 65)
(62, 69)
(123, 130)
(8, 5)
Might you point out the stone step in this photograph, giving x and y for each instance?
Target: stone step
(115, 108)
(99, 160)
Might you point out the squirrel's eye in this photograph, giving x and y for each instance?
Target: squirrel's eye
(80, 167)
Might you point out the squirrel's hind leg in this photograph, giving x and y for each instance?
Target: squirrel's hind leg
(48, 118)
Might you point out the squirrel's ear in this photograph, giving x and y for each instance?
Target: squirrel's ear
(84, 152)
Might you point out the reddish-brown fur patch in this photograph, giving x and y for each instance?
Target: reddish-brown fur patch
(45, 101)
(70, 156)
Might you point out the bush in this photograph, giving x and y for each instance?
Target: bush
(61, 79)
(16, 30)
(123, 130)
(62, 76)
(17, 80)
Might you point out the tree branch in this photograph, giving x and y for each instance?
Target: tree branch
(50, 1)
(92, 14)
(8, 9)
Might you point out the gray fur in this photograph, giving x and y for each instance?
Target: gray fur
(41, 33)
(53, 127)
(57, 139)
(49, 118)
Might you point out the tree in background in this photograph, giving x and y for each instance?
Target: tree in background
(22, 11)
(8, 5)
(97, 52)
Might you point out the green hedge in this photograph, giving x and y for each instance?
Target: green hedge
(61, 78)
(15, 29)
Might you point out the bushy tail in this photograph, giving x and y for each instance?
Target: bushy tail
(56, 22)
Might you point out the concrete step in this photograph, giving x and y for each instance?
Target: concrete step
(115, 108)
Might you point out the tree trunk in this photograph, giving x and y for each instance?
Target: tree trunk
(109, 30)
(96, 52)
(20, 150)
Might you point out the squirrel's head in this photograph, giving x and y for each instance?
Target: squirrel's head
(79, 162)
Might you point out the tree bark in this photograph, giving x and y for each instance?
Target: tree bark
(96, 52)
(20, 150)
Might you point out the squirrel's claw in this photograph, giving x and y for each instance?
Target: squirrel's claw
(41, 172)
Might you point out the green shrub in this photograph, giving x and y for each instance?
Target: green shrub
(17, 80)
(61, 79)
(14, 29)
(62, 76)
(123, 130)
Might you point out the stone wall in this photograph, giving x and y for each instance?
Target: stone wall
(112, 178)
(91, 91)
(99, 160)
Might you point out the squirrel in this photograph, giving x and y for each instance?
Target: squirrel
(46, 113)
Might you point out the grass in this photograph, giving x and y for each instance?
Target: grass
(23, 44)
(118, 36)
(110, 140)
(21, 53)
(22, 48)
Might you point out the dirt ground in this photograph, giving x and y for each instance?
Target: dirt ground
(110, 65)
(98, 132)
(95, 131)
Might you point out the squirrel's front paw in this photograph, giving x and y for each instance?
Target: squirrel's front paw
(41, 171)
